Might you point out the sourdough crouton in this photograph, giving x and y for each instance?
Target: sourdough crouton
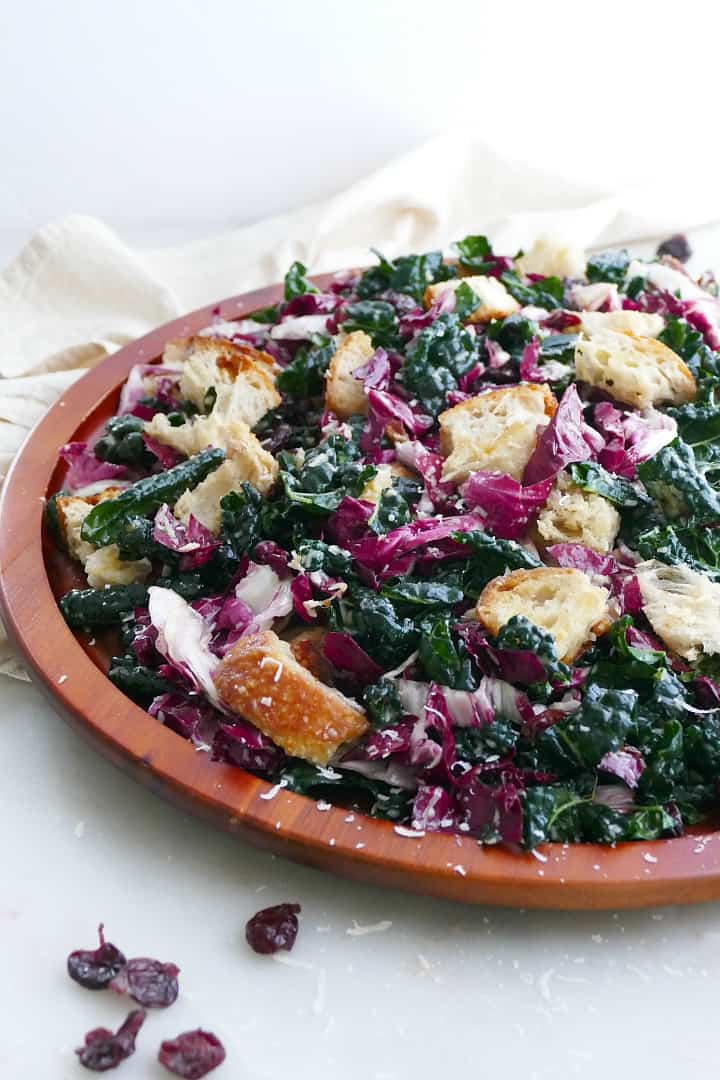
(382, 479)
(634, 370)
(247, 462)
(242, 377)
(104, 566)
(682, 606)
(639, 323)
(552, 258)
(572, 515)
(495, 431)
(261, 680)
(344, 394)
(562, 601)
(494, 301)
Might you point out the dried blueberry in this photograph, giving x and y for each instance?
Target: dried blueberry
(192, 1054)
(94, 968)
(149, 982)
(103, 1050)
(677, 246)
(273, 928)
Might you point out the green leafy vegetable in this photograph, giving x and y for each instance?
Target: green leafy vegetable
(392, 510)
(304, 376)
(377, 318)
(592, 477)
(674, 481)
(609, 266)
(475, 253)
(442, 656)
(424, 594)
(548, 292)
(327, 474)
(519, 633)
(122, 442)
(382, 704)
(104, 522)
(85, 609)
(137, 681)
(296, 284)
(601, 724)
(436, 359)
(407, 274)
(695, 546)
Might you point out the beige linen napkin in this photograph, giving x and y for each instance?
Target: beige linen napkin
(76, 292)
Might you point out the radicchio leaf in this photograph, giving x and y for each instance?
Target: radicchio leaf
(566, 439)
(86, 469)
(505, 505)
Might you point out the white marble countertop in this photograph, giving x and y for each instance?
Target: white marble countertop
(442, 990)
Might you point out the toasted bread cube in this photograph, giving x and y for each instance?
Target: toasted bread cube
(105, 567)
(682, 606)
(495, 431)
(244, 466)
(562, 601)
(639, 323)
(243, 377)
(72, 511)
(638, 371)
(344, 394)
(494, 301)
(383, 479)
(572, 515)
(552, 258)
(260, 680)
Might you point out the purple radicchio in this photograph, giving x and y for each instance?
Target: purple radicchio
(192, 540)
(631, 437)
(505, 505)
(566, 439)
(242, 744)
(188, 715)
(85, 469)
(345, 654)
(621, 581)
(627, 765)
(144, 381)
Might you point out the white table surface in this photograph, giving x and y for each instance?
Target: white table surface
(444, 990)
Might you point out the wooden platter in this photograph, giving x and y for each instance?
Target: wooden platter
(71, 672)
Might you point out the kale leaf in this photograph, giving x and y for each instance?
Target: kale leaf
(593, 477)
(672, 478)
(609, 266)
(437, 357)
(377, 318)
(304, 376)
(296, 284)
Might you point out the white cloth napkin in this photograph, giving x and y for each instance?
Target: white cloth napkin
(76, 292)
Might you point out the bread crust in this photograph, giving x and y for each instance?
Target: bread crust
(261, 680)
(243, 377)
(634, 370)
(344, 394)
(561, 600)
(495, 431)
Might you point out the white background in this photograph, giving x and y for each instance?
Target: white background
(170, 120)
(176, 117)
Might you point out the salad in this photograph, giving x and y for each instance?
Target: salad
(440, 543)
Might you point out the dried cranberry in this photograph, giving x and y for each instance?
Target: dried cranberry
(192, 1054)
(273, 928)
(103, 1050)
(94, 968)
(149, 982)
(677, 246)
